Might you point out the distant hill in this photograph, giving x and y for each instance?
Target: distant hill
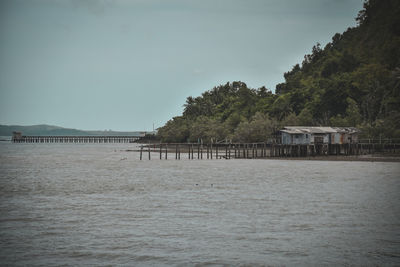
(44, 130)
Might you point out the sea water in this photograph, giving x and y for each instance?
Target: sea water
(98, 204)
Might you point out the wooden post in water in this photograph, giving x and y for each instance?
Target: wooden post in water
(192, 150)
(149, 150)
(208, 155)
(188, 151)
(216, 151)
(160, 150)
(262, 151)
(166, 151)
(198, 151)
(235, 150)
(176, 151)
(141, 150)
(257, 154)
(211, 151)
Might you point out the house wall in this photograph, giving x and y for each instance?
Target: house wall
(325, 138)
(335, 138)
(286, 138)
(328, 138)
(296, 139)
(353, 138)
(302, 139)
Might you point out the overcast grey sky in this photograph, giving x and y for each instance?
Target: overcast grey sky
(126, 64)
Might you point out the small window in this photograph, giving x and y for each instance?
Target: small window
(306, 135)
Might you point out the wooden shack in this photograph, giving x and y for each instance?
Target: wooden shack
(16, 136)
(302, 135)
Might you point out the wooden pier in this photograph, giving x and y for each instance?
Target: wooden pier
(75, 139)
(260, 150)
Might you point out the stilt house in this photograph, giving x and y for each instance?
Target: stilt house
(300, 135)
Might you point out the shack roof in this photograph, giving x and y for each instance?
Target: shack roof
(318, 130)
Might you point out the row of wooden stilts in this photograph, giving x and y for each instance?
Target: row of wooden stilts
(75, 139)
(209, 151)
(260, 150)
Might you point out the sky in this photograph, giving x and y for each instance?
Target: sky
(128, 64)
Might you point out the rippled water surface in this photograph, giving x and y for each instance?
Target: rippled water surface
(97, 204)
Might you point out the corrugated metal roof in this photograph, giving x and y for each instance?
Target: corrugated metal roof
(318, 130)
(292, 131)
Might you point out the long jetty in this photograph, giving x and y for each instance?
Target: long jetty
(75, 139)
(259, 150)
(225, 150)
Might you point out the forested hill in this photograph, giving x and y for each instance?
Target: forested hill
(353, 81)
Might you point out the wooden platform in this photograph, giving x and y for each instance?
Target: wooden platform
(259, 150)
(75, 139)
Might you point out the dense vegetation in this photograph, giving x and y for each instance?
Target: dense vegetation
(353, 81)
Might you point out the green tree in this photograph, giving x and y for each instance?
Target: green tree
(261, 128)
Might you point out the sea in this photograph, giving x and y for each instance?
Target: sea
(100, 205)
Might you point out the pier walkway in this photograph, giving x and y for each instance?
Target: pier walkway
(260, 150)
(75, 139)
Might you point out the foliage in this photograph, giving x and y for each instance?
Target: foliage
(259, 129)
(353, 81)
